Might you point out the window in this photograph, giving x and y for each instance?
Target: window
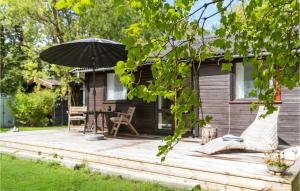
(115, 90)
(243, 81)
(84, 94)
(165, 118)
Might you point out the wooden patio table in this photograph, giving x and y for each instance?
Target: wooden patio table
(103, 113)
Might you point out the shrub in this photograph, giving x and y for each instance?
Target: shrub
(32, 109)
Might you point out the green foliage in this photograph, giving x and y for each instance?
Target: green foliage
(32, 109)
(276, 159)
(11, 58)
(161, 23)
(270, 29)
(35, 22)
(258, 26)
(107, 20)
(77, 6)
(100, 18)
(30, 26)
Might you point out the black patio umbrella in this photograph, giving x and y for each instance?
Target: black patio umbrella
(86, 53)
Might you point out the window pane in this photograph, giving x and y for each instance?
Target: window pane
(244, 80)
(110, 87)
(248, 81)
(239, 90)
(165, 118)
(115, 90)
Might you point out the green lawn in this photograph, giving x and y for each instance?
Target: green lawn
(26, 175)
(3, 130)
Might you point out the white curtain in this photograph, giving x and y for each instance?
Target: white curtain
(244, 81)
(240, 88)
(84, 89)
(248, 80)
(115, 90)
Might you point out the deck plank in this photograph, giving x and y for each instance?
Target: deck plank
(140, 153)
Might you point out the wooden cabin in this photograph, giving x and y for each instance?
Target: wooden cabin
(224, 96)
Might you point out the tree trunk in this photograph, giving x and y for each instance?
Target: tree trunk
(195, 86)
(1, 50)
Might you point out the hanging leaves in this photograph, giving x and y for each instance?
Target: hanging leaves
(258, 29)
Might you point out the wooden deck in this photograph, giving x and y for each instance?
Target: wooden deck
(136, 158)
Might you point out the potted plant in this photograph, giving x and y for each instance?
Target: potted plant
(276, 162)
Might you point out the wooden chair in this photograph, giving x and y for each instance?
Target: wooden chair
(77, 113)
(123, 119)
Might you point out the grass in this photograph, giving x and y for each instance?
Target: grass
(3, 130)
(27, 175)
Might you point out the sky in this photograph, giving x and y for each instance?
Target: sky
(210, 10)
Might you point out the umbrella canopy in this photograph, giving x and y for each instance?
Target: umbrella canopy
(88, 53)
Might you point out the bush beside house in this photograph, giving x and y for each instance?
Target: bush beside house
(33, 109)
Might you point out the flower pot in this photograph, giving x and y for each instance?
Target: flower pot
(276, 169)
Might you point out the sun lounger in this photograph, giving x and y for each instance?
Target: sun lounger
(260, 136)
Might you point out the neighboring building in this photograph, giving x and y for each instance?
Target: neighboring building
(48, 83)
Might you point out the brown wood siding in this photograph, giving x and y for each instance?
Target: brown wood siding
(144, 116)
(289, 118)
(215, 92)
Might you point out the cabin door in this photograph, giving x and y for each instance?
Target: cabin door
(164, 116)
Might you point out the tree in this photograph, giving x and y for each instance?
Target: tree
(105, 20)
(43, 25)
(39, 23)
(11, 54)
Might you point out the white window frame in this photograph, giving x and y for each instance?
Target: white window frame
(114, 89)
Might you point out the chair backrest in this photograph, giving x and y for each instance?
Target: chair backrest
(77, 110)
(262, 129)
(130, 113)
(269, 118)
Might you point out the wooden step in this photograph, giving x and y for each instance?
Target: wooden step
(170, 181)
(155, 171)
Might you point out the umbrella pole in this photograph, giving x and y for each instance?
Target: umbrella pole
(94, 94)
